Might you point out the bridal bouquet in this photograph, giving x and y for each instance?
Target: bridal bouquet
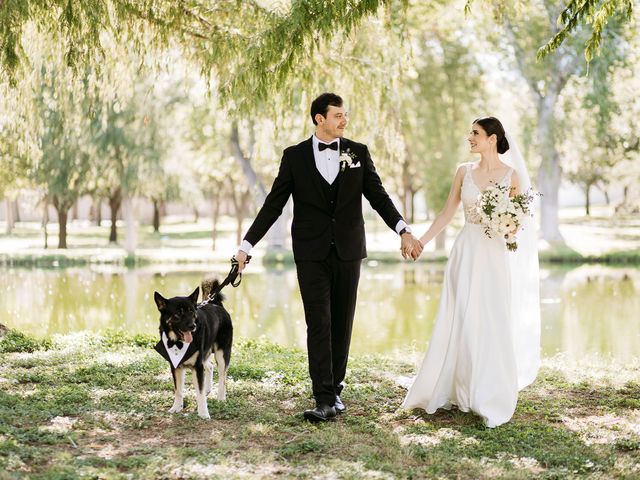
(501, 214)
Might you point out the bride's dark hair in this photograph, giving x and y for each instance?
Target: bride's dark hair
(492, 126)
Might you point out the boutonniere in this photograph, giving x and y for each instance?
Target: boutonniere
(346, 159)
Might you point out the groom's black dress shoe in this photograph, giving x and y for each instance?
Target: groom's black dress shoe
(322, 413)
(339, 406)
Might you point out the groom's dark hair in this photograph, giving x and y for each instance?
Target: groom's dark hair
(321, 105)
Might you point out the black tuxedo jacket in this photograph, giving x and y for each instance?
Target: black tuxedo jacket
(314, 223)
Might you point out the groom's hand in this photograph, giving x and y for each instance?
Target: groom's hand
(241, 257)
(410, 246)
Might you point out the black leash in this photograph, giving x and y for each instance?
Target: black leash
(231, 278)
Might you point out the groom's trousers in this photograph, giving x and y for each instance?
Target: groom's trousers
(329, 291)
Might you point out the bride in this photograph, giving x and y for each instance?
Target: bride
(485, 345)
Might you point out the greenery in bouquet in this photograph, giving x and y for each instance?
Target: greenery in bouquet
(501, 214)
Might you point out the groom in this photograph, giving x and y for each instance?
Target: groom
(327, 176)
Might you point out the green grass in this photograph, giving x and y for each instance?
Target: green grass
(15, 341)
(564, 254)
(88, 406)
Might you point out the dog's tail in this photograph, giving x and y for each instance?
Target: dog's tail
(211, 285)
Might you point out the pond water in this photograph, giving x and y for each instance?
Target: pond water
(586, 311)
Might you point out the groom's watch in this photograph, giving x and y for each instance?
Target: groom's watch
(404, 230)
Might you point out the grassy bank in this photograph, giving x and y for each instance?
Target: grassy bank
(95, 407)
(600, 238)
(555, 255)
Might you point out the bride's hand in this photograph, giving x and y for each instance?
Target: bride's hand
(418, 247)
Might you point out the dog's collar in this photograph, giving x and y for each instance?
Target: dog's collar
(174, 353)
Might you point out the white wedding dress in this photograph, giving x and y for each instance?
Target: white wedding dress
(471, 360)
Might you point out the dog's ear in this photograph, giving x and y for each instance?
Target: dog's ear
(194, 296)
(161, 302)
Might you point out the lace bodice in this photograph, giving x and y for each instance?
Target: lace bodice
(470, 191)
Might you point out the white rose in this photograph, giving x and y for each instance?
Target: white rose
(345, 157)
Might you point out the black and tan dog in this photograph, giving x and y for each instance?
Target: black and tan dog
(189, 335)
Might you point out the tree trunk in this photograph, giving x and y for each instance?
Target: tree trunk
(196, 214)
(587, 200)
(93, 211)
(45, 222)
(245, 164)
(240, 203)
(244, 206)
(278, 232)
(549, 184)
(276, 237)
(16, 211)
(74, 211)
(407, 191)
(441, 240)
(623, 203)
(62, 221)
(412, 207)
(406, 205)
(9, 215)
(63, 212)
(99, 213)
(114, 204)
(156, 216)
(549, 173)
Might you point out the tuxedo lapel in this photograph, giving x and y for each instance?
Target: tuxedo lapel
(310, 163)
(347, 178)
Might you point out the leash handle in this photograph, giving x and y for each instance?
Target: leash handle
(231, 278)
(234, 260)
(234, 271)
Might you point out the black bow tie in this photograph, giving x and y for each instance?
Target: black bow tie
(171, 343)
(324, 146)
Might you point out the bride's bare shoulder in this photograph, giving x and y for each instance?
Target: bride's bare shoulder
(461, 171)
(515, 180)
(462, 167)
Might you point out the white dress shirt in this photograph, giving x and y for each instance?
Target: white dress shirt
(328, 164)
(328, 160)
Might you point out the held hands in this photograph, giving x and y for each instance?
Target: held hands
(410, 246)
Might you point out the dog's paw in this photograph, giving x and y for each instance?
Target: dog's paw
(175, 409)
(204, 415)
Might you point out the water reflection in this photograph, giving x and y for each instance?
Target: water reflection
(589, 310)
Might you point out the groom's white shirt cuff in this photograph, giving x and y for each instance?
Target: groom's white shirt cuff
(246, 246)
(400, 225)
